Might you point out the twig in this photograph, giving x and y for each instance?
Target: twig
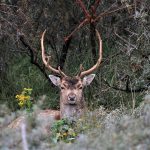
(33, 56)
(3, 4)
(110, 12)
(127, 89)
(125, 40)
(89, 19)
(94, 7)
(85, 21)
(81, 4)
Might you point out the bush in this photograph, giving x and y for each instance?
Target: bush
(117, 129)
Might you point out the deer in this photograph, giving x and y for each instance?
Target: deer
(72, 101)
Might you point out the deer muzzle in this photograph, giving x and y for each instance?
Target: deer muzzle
(72, 98)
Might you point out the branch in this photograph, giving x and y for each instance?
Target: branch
(85, 21)
(33, 56)
(81, 4)
(125, 40)
(127, 89)
(94, 7)
(91, 20)
(64, 53)
(110, 12)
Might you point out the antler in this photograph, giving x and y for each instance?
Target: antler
(89, 71)
(46, 59)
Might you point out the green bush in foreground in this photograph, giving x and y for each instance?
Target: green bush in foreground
(63, 130)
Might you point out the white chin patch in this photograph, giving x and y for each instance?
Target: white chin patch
(72, 102)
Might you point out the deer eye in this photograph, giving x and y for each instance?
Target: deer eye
(62, 87)
(80, 87)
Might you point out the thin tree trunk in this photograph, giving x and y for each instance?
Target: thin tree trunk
(64, 53)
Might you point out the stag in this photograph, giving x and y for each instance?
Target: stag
(72, 102)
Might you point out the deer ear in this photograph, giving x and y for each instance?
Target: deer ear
(55, 80)
(88, 79)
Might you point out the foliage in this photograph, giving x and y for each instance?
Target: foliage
(22, 74)
(25, 100)
(63, 130)
(118, 129)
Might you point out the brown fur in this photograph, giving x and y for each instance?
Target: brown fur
(71, 87)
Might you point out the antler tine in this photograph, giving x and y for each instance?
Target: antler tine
(80, 70)
(61, 73)
(89, 71)
(46, 61)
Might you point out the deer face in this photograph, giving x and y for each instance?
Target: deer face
(71, 88)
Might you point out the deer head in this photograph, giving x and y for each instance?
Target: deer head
(72, 103)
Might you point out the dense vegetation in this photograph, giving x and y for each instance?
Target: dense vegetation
(122, 81)
(118, 129)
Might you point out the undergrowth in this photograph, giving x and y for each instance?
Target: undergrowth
(118, 129)
(63, 130)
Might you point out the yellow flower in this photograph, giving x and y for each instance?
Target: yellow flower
(21, 103)
(22, 97)
(17, 96)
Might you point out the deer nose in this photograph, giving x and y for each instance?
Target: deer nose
(72, 97)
